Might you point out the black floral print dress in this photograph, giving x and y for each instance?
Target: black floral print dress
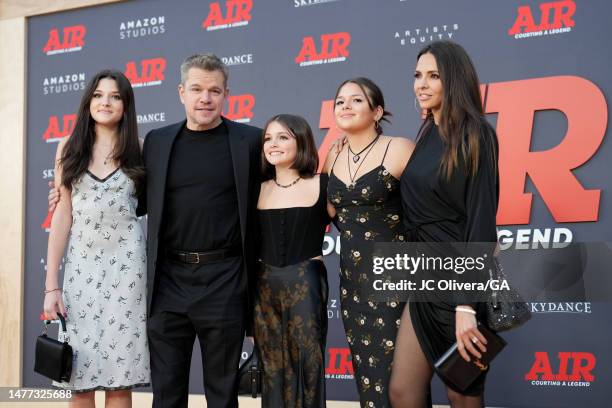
(368, 211)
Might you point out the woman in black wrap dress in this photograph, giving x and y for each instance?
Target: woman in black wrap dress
(449, 194)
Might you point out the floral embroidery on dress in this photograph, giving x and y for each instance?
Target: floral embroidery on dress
(368, 213)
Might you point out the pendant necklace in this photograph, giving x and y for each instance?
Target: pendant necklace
(352, 177)
(357, 156)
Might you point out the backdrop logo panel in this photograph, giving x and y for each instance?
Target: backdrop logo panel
(142, 27)
(46, 224)
(555, 18)
(48, 174)
(154, 117)
(572, 369)
(561, 307)
(303, 3)
(63, 83)
(69, 39)
(422, 35)
(333, 48)
(340, 365)
(59, 127)
(239, 59)
(240, 107)
(516, 103)
(146, 72)
(229, 14)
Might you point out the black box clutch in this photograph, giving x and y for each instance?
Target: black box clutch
(453, 368)
(53, 358)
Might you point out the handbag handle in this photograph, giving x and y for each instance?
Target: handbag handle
(255, 359)
(62, 322)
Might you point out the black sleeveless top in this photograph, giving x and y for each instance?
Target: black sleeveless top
(295, 234)
(369, 209)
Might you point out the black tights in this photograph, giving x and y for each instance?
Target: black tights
(412, 373)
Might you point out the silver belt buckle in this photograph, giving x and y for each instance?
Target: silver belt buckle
(189, 257)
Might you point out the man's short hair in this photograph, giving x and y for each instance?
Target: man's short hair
(207, 62)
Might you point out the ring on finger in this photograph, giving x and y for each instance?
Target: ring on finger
(474, 339)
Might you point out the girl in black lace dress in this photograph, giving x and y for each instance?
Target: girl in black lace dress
(364, 193)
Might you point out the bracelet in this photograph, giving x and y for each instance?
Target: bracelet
(52, 290)
(464, 309)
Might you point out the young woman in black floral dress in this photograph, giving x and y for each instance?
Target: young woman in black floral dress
(364, 193)
(291, 292)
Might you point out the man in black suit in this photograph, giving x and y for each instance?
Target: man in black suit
(202, 187)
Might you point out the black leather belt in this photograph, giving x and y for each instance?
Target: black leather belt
(202, 257)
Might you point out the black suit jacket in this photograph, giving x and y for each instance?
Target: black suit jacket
(245, 146)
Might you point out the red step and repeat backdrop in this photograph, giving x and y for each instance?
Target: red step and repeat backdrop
(545, 73)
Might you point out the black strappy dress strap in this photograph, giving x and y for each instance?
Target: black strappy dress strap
(331, 171)
(385, 155)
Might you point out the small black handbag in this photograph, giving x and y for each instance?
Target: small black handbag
(506, 309)
(454, 369)
(250, 375)
(53, 358)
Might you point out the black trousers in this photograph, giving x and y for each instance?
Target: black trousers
(208, 301)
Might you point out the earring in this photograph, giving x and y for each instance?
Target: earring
(377, 124)
(416, 107)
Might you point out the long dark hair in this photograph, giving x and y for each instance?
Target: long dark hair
(373, 95)
(307, 158)
(462, 126)
(78, 150)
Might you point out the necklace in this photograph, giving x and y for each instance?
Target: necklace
(287, 185)
(110, 155)
(352, 177)
(357, 156)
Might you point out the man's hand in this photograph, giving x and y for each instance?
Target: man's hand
(54, 196)
(338, 144)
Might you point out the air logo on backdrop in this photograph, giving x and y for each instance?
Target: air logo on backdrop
(556, 17)
(575, 370)
(240, 108)
(71, 39)
(333, 48)
(148, 72)
(340, 365)
(236, 13)
(56, 129)
(46, 224)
